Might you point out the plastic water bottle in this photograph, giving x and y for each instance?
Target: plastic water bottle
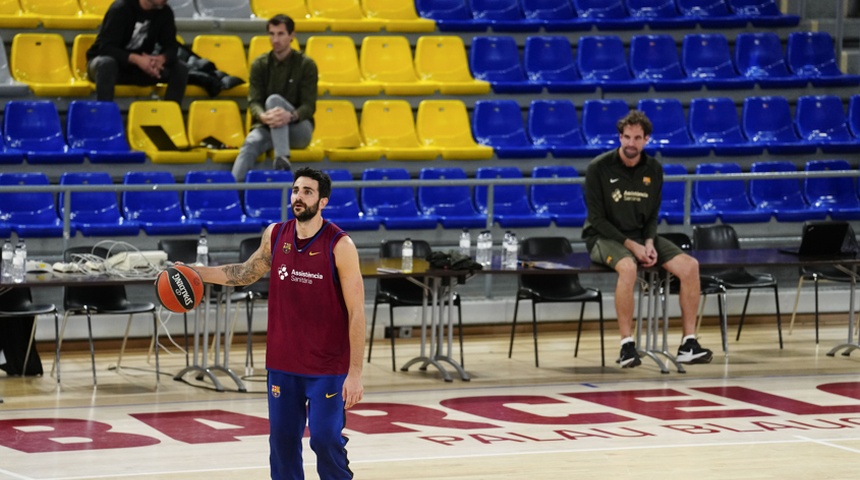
(485, 249)
(465, 243)
(8, 254)
(406, 257)
(202, 251)
(19, 262)
(511, 252)
(506, 240)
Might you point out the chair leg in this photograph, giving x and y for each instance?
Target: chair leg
(460, 333)
(249, 343)
(514, 326)
(579, 330)
(391, 324)
(372, 329)
(796, 302)
(535, 331)
(815, 281)
(185, 323)
(59, 332)
(124, 341)
(29, 348)
(92, 347)
(155, 336)
(701, 313)
(778, 317)
(743, 314)
(724, 320)
(602, 344)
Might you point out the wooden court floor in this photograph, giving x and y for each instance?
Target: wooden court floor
(758, 413)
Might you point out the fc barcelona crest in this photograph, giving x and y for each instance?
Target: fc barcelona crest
(646, 180)
(287, 247)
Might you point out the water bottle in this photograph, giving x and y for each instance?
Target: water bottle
(202, 251)
(506, 240)
(465, 243)
(511, 255)
(19, 262)
(8, 254)
(406, 258)
(485, 249)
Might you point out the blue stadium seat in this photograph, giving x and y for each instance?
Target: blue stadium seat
(342, 208)
(672, 200)
(549, 60)
(714, 122)
(811, 55)
(511, 206)
(563, 202)
(783, 196)
(659, 14)
(504, 16)
(836, 194)
(451, 15)
(97, 129)
(29, 214)
(499, 124)
(711, 13)
(601, 59)
(496, 59)
(557, 15)
(763, 13)
(34, 128)
(655, 58)
(394, 206)
(760, 56)
(707, 57)
(768, 121)
(671, 133)
(599, 122)
(265, 205)
(452, 204)
(10, 156)
(728, 198)
(95, 213)
(854, 115)
(607, 14)
(821, 120)
(159, 212)
(553, 124)
(220, 211)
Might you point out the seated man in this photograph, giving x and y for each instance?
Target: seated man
(137, 45)
(282, 96)
(622, 194)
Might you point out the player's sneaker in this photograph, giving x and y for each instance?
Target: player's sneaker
(629, 357)
(692, 352)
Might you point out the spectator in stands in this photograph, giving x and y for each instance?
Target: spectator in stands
(622, 194)
(282, 95)
(137, 45)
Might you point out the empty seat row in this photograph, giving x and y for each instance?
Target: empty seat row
(61, 14)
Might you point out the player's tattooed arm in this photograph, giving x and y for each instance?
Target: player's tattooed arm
(248, 272)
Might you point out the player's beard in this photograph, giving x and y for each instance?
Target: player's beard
(307, 213)
(631, 152)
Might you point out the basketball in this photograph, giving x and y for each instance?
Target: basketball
(179, 288)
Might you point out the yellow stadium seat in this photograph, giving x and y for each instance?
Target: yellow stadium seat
(220, 120)
(11, 16)
(444, 124)
(95, 7)
(295, 9)
(343, 15)
(336, 133)
(82, 43)
(309, 154)
(260, 44)
(442, 59)
(63, 14)
(397, 16)
(388, 60)
(168, 116)
(337, 62)
(42, 62)
(389, 125)
(227, 52)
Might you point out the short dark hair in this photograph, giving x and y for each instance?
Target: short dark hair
(635, 117)
(321, 177)
(281, 19)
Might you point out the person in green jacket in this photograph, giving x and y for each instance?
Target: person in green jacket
(622, 194)
(282, 96)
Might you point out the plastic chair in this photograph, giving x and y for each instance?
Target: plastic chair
(10, 156)
(80, 45)
(216, 123)
(343, 206)
(397, 16)
(33, 127)
(97, 129)
(295, 9)
(601, 59)
(41, 61)
(836, 194)
(17, 304)
(395, 207)
(768, 121)
(607, 14)
(496, 59)
(444, 125)
(337, 63)
(442, 59)
(763, 13)
(821, 120)
(344, 15)
(95, 7)
(336, 133)
(11, 16)
(708, 58)
(168, 116)
(670, 135)
(9, 87)
(554, 124)
(499, 124)
(672, 200)
(549, 59)
(29, 214)
(451, 15)
(388, 61)
(783, 196)
(553, 289)
(659, 14)
(854, 115)
(714, 122)
(511, 206)
(452, 204)
(729, 198)
(63, 14)
(556, 15)
(265, 205)
(710, 13)
(721, 237)
(390, 126)
(811, 55)
(95, 213)
(225, 9)
(220, 211)
(401, 292)
(504, 16)
(759, 56)
(599, 120)
(655, 58)
(563, 202)
(228, 54)
(159, 212)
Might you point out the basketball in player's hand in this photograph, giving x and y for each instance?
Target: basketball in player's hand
(179, 288)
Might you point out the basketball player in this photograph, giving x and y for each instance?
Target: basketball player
(315, 338)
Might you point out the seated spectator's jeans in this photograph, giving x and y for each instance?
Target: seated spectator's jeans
(107, 73)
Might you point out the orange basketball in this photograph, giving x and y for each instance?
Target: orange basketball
(179, 288)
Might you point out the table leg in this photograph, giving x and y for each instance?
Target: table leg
(850, 345)
(647, 348)
(428, 348)
(200, 357)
